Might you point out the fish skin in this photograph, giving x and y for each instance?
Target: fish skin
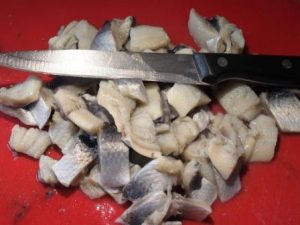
(285, 108)
(104, 40)
(147, 180)
(113, 157)
(24, 115)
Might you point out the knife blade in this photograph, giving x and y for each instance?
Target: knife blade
(198, 69)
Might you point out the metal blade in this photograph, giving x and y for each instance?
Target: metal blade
(110, 65)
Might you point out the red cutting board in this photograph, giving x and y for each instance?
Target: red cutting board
(271, 191)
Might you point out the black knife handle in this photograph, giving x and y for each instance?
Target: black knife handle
(280, 71)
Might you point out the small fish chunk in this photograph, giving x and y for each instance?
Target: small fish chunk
(76, 35)
(185, 130)
(196, 150)
(142, 208)
(223, 155)
(168, 143)
(119, 106)
(227, 189)
(194, 209)
(24, 115)
(207, 192)
(154, 103)
(266, 141)
(113, 157)
(21, 94)
(148, 180)
(32, 141)
(45, 173)
(104, 40)
(284, 106)
(62, 132)
(132, 88)
(239, 99)
(90, 184)
(120, 31)
(203, 118)
(184, 98)
(144, 37)
(69, 167)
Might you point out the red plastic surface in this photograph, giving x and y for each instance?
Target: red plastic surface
(270, 193)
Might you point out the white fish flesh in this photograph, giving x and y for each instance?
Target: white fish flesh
(42, 108)
(141, 134)
(194, 209)
(168, 143)
(72, 164)
(63, 133)
(171, 166)
(227, 189)
(154, 104)
(147, 180)
(142, 208)
(224, 155)
(45, 172)
(266, 141)
(119, 106)
(196, 150)
(132, 88)
(90, 184)
(24, 115)
(113, 157)
(144, 37)
(32, 141)
(203, 118)
(239, 99)
(178, 95)
(207, 192)
(21, 94)
(284, 106)
(76, 35)
(185, 130)
(120, 31)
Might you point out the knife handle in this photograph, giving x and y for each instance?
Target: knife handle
(280, 71)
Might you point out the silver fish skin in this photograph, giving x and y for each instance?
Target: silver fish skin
(113, 157)
(41, 111)
(104, 40)
(142, 208)
(147, 180)
(24, 115)
(285, 108)
(72, 164)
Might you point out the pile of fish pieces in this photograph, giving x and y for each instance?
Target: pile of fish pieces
(156, 145)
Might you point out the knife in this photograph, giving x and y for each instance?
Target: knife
(198, 69)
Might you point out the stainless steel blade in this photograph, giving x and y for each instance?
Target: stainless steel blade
(109, 65)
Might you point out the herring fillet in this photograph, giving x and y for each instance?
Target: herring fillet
(114, 158)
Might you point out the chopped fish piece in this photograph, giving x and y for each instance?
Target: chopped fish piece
(285, 108)
(207, 193)
(154, 103)
(184, 98)
(62, 132)
(144, 37)
(223, 155)
(113, 157)
(148, 180)
(132, 88)
(41, 109)
(227, 189)
(90, 184)
(21, 94)
(239, 99)
(172, 223)
(264, 149)
(185, 130)
(24, 115)
(142, 208)
(120, 31)
(76, 35)
(45, 173)
(32, 141)
(168, 143)
(196, 150)
(170, 166)
(119, 106)
(202, 118)
(104, 40)
(71, 165)
(194, 209)
(142, 134)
